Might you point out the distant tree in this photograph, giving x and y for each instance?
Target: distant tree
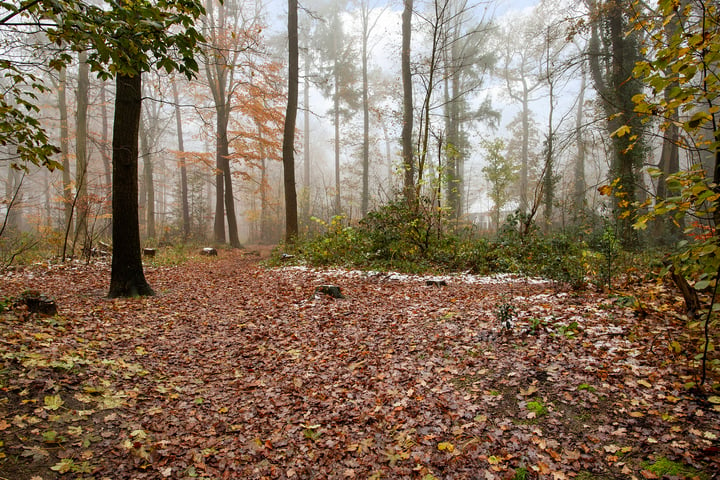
(340, 80)
(466, 58)
(521, 62)
(229, 35)
(368, 24)
(500, 172)
(185, 205)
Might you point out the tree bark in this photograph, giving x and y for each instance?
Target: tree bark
(149, 182)
(127, 278)
(407, 128)
(65, 149)
(579, 185)
(291, 222)
(81, 157)
(365, 199)
(183, 166)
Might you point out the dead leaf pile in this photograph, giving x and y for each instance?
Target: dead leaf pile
(238, 371)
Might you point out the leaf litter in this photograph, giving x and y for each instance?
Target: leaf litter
(235, 370)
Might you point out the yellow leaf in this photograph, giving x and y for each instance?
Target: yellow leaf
(449, 447)
(621, 132)
(637, 414)
(53, 402)
(644, 383)
(714, 399)
(605, 190)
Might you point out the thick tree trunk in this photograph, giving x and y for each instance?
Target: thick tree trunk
(407, 128)
(291, 223)
(127, 278)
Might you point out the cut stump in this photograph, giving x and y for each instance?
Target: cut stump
(38, 303)
(149, 252)
(208, 251)
(436, 283)
(331, 290)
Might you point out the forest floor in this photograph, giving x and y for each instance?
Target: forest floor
(238, 371)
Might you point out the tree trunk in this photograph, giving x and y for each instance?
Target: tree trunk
(579, 185)
(65, 149)
(105, 149)
(183, 166)
(291, 223)
(336, 116)
(306, 150)
(407, 128)
(81, 157)
(127, 278)
(616, 87)
(223, 159)
(365, 200)
(148, 181)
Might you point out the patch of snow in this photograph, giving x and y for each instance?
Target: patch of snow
(498, 279)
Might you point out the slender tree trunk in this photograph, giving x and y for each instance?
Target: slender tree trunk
(106, 150)
(365, 200)
(127, 277)
(81, 157)
(306, 138)
(579, 186)
(525, 150)
(407, 128)
(549, 178)
(223, 154)
(291, 223)
(149, 182)
(183, 166)
(65, 149)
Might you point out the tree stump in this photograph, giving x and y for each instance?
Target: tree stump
(37, 303)
(209, 252)
(149, 252)
(331, 290)
(436, 283)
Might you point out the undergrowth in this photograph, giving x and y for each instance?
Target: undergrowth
(395, 238)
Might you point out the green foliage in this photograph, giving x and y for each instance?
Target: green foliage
(504, 314)
(19, 124)
(521, 473)
(128, 38)
(537, 407)
(684, 94)
(501, 171)
(665, 467)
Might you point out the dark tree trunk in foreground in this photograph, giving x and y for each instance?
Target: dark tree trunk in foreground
(291, 220)
(127, 278)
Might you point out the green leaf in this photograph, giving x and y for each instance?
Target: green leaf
(63, 466)
(53, 402)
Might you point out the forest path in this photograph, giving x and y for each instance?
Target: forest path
(235, 371)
